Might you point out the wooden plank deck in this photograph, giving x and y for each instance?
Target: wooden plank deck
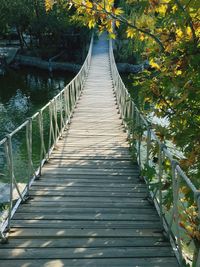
(89, 207)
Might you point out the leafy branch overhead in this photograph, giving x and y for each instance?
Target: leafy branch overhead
(143, 19)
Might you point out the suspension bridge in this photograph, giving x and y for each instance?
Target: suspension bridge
(86, 204)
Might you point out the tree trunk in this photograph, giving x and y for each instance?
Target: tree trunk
(19, 33)
(37, 13)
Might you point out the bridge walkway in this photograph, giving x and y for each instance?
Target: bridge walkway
(89, 208)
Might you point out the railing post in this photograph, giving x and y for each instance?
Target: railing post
(129, 119)
(73, 86)
(42, 145)
(139, 139)
(132, 125)
(160, 176)
(175, 189)
(51, 130)
(56, 131)
(148, 143)
(66, 106)
(29, 151)
(61, 114)
(8, 151)
(9, 156)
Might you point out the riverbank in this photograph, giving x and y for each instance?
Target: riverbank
(72, 67)
(46, 65)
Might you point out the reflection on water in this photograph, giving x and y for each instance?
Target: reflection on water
(23, 92)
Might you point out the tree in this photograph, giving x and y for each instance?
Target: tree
(16, 14)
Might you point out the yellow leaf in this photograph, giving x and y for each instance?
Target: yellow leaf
(162, 9)
(112, 35)
(88, 4)
(117, 23)
(174, 8)
(118, 11)
(130, 32)
(111, 2)
(189, 228)
(178, 72)
(179, 33)
(154, 64)
(108, 8)
(48, 4)
(189, 31)
(91, 24)
(142, 37)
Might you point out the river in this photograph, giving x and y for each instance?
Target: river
(22, 93)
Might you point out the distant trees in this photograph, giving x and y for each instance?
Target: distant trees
(16, 15)
(45, 26)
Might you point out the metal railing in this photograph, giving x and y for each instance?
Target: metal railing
(153, 156)
(44, 128)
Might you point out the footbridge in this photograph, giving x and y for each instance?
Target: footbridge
(87, 200)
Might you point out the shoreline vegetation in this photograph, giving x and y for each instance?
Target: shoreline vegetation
(46, 64)
(70, 66)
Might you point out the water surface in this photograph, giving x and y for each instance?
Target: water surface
(22, 93)
(25, 91)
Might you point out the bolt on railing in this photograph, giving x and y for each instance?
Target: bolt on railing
(56, 113)
(143, 137)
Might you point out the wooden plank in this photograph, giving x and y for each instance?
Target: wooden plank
(92, 133)
(85, 216)
(99, 179)
(77, 253)
(101, 162)
(94, 138)
(88, 171)
(86, 210)
(96, 147)
(85, 242)
(89, 199)
(88, 156)
(141, 204)
(120, 262)
(91, 151)
(93, 224)
(39, 233)
(88, 165)
(61, 177)
(88, 189)
(88, 183)
(83, 193)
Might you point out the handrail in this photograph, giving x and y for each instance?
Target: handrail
(132, 118)
(58, 111)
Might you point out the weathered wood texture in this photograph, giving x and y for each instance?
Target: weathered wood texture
(89, 208)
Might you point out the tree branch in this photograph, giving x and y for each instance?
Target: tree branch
(123, 20)
(189, 19)
(155, 38)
